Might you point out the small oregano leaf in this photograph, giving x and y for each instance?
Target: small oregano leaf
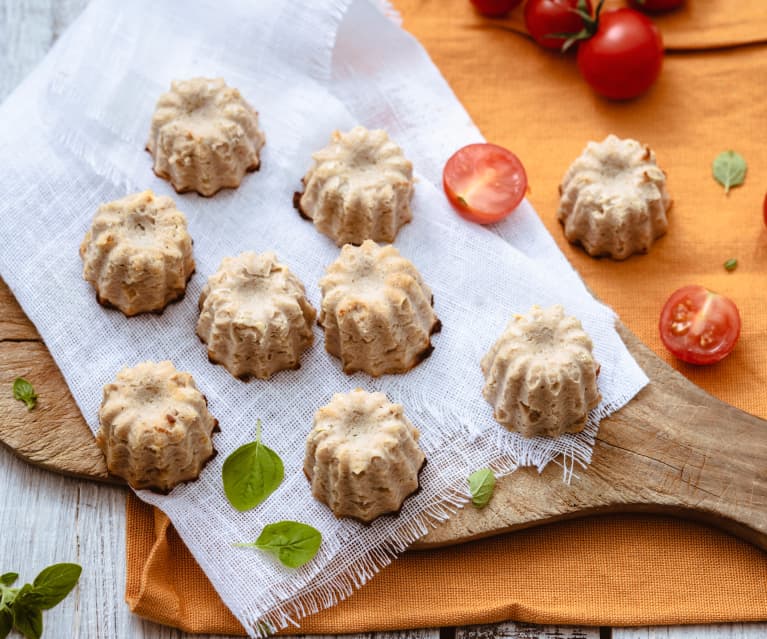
(292, 542)
(9, 578)
(729, 169)
(6, 622)
(27, 618)
(251, 473)
(54, 583)
(481, 485)
(24, 392)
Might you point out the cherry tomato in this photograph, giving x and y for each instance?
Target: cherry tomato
(764, 209)
(624, 57)
(484, 182)
(494, 8)
(653, 6)
(699, 326)
(544, 17)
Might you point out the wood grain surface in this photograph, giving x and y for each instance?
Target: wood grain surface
(47, 518)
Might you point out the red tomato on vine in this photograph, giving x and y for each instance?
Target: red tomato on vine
(544, 19)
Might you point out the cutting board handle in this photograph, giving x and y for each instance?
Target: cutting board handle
(674, 449)
(687, 452)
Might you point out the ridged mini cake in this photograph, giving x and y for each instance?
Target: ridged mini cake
(204, 136)
(254, 316)
(540, 375)
(362, 456)
(155, 427)
(376, 310)
(359, 188)
(614, 199)
(138, 253)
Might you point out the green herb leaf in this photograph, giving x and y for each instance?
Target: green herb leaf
(481, 485)
(9, 578)
(24, 392)
(27, 618)
(729, 169)
(251, 473)
(462, 201)
(54, 583)
(292, 542)
(6, 622)
(731, 264)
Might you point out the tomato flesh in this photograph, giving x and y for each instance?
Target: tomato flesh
(494, 8)
(699, 326)
(545, 17)
(656, 5)
(484, 182)
(624, 57)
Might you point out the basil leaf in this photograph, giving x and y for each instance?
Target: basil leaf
(292, 542)
(729, 169)
(6, 622)
(9, 578)
(27, 617)
(251, 473)
(481, 485)
(24, 392)
(54, 583)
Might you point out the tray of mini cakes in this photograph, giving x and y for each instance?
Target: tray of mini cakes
(377, 315)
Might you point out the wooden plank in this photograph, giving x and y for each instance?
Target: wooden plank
(406, 634)
(717, 631)
(512, 630)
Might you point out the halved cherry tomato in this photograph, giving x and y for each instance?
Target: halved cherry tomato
(699, 326)
(484, 182)
(494, 8)
(624, 57)
(656, 5)
(545, 17)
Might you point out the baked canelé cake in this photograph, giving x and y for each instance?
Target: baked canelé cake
(614, 199)
(204, 136)
(362, 456)
(254, 316)
(359, 188)
(155, 427)
(540, 375)
(138, 253)
(376, 310)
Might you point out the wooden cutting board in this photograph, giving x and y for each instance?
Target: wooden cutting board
(673, 449)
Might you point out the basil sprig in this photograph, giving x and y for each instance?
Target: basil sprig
(251, 473)
(22, 608)
(24, 392)
(292, 542)
(481, 486)
(729, 169)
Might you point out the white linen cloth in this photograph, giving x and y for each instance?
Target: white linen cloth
(73, 135)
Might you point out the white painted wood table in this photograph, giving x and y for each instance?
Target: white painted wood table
(45, 518)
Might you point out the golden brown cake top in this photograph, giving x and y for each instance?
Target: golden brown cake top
(204, 136)
(540, 375)
(138, 253)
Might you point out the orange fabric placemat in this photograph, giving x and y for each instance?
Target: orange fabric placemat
(619, 570)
